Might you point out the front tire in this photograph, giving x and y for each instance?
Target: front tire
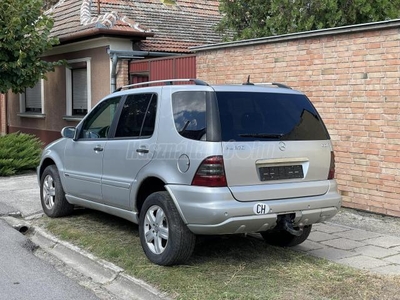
(165, 239)
(283, 238)
(52, 194)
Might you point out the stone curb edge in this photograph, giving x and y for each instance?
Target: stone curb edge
(109, 276)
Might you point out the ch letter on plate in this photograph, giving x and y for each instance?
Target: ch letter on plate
(260, 209)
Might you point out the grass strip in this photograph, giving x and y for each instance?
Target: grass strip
(226, 267)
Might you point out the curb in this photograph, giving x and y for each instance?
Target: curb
(109, 276)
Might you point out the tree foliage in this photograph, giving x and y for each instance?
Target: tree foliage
(24, 37)
(260, 18)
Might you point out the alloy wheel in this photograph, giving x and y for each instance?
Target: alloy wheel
(156, 229)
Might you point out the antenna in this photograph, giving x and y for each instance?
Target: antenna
(248, 81)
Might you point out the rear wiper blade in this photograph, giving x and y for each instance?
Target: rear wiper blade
(263, 135)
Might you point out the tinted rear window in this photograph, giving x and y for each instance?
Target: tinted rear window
(247, 116)
(189, 109)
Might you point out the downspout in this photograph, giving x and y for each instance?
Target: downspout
(6, 113)
(114, 72)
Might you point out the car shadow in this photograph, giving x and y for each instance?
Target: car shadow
(229, 249)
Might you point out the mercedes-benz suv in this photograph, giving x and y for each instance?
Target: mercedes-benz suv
(184, 159)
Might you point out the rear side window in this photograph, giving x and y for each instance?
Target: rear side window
(189, 110)
(138, 116)
(247, 116)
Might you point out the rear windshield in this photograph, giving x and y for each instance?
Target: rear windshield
(252, 116)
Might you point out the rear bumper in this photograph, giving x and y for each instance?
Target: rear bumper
(215, 211)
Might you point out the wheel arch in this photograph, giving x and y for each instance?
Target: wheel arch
(45, 163)
(148, 186)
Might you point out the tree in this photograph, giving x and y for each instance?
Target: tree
(243, 19)
(24, 37)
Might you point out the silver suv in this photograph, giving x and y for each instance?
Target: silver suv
(182, 160)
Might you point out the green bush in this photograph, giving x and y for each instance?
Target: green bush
(19, 152)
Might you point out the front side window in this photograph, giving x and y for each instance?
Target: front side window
(189, 110)
(78, 87)
(138, 116)
(98, 122)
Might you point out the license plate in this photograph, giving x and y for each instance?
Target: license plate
(281, 172)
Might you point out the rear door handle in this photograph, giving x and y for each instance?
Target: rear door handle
(98, 148)
(141, 150)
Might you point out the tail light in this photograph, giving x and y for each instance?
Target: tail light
(331, 174)
(210, 173)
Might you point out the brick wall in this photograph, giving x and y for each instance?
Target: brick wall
(352, 77)
(122, 73)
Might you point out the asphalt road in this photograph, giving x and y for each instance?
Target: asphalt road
(22, 274)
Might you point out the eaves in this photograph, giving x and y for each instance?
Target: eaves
(102, 32)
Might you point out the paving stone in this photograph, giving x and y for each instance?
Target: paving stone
(358, 235)
(393, 259)
(344, 244)
(317, 236)
(384, 241)
(377, 252)
(308, 246)
(362, 262)
(331, 253)
(388, 270)
(329, 228)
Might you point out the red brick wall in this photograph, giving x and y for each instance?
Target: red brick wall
(353, 80)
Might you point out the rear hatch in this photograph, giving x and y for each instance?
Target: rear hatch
(274, 144)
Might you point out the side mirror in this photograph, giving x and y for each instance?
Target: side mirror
(68, 132)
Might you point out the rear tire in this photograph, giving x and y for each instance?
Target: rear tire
(283, 238)
(52, 194)
(165, 239)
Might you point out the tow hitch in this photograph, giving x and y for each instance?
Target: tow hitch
(285, 222)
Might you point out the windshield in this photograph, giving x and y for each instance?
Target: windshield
(252, 116)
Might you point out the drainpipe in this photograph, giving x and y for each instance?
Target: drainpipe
(6, 113)
(115, 55)
(114, 72)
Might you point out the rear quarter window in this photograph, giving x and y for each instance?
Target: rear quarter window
(189, 109)
(251, 116)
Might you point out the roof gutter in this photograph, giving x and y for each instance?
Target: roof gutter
(95, 32)
(116, 55)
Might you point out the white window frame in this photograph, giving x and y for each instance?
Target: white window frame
(22, 101)
(68, 84)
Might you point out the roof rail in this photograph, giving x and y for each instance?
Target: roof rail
(281, 85)
(166, 81)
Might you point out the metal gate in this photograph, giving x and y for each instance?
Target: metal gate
(171, 67)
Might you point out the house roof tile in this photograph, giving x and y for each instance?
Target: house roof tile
(169, 28)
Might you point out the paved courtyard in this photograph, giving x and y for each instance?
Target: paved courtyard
(361, 249)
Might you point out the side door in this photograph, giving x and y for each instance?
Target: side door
(84, 154)
(130, 149)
